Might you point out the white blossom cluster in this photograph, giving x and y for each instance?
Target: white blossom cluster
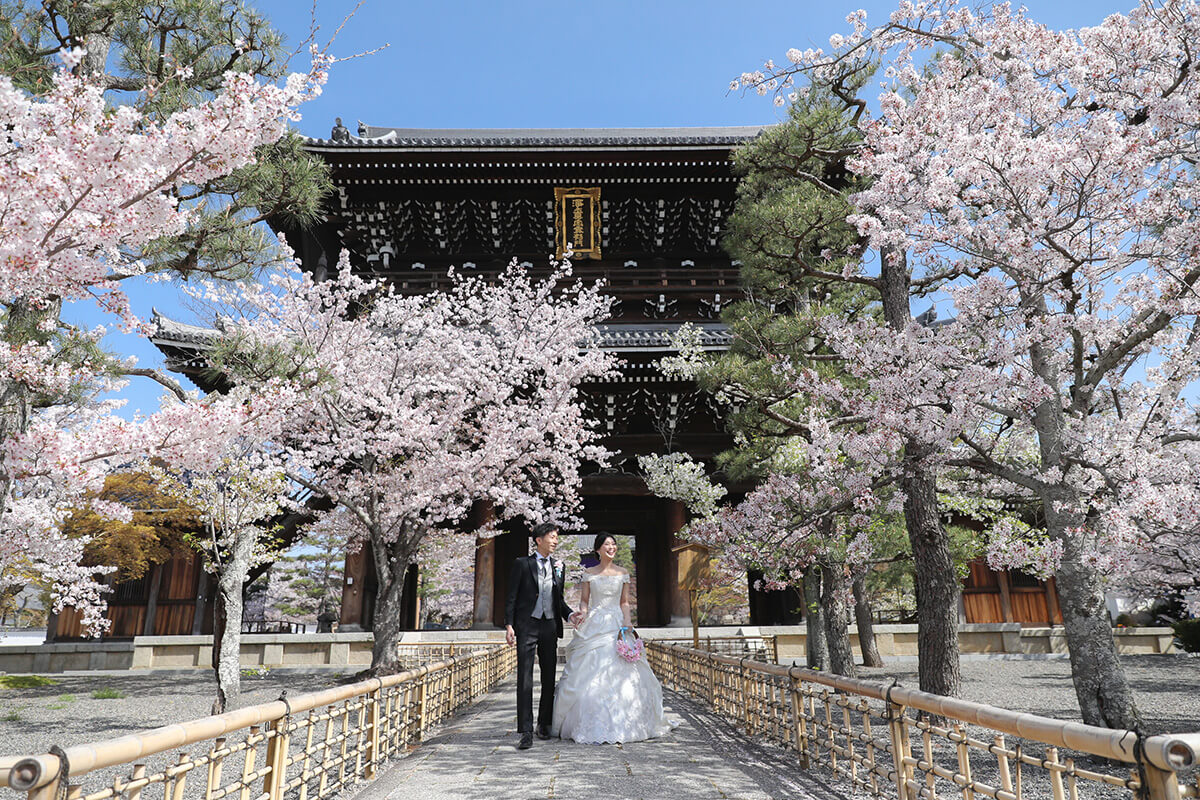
(678, 477)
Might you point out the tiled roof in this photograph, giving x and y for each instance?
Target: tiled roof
(471, 138)
(613, 336)
(173, 332)
(657, 336)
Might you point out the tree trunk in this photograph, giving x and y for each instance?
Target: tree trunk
(21, 326)
(865, 622)
(935, 581)
(816, 643)
(934, 578)
(835, 585)
(1103, 691)
(227, 630)
(391, 565)
(1105, 698)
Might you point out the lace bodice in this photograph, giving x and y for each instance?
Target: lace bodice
(605, 589)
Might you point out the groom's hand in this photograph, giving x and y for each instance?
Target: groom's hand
(576, 618)
(510, 635)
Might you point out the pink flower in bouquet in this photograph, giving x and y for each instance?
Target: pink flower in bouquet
(631, 651)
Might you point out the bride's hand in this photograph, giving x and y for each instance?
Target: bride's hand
(576, 618)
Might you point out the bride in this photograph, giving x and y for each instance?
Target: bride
(602, 698)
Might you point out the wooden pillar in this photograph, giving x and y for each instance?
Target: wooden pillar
(484, 614)
(152, 599)
(1052, 609)
(1006, 608)
(410, 600)
(678, 603)
(353, 584)
(201, 608)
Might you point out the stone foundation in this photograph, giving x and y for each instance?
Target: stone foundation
(352, 651)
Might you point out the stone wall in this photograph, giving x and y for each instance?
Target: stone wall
(312, 650)
(352, 651)
(1003, 638)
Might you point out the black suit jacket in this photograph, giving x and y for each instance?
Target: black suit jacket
(523, 593)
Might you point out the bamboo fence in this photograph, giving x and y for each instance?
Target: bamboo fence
(304, 748)
(889, 741)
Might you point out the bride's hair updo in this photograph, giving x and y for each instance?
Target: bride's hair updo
(592, 558)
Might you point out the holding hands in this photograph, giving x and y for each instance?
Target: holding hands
(576, 618)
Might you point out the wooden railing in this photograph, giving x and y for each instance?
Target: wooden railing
(296, 748)
(897, 742)
(759, 648)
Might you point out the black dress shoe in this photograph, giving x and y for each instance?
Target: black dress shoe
(543, 732)
(526, 741)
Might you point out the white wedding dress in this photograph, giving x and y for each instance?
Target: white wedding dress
(601, 698)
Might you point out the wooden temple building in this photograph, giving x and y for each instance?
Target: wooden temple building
(643, 209)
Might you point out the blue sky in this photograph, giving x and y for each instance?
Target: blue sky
(538, 63)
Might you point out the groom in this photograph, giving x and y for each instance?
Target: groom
(533, 620)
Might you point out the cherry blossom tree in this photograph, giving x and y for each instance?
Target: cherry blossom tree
(82, 187)
(418, 406)
(1044, 182)
(236, 496)
(799, 259)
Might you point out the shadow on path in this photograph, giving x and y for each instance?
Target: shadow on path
(475, 758)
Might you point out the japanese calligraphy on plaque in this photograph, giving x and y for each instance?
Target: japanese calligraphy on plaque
(577, 221)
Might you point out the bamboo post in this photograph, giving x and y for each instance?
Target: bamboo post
(179, 776)
(801, 721)
(900, 752)
(1161, 784)
(849, 733)
(1002, 763)
(964, 761)
(309, 728)
(927, 753)
(216, 760)
(421, 692)
(326, 745)
(277, 752)
(829, 743)
(343, 741)
(865, 708)
(139, 774)
(1072, 789)
(362, 738)
(1056, 780)
(248, 761)
(747, 698)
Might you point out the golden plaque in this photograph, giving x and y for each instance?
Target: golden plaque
(577, 221)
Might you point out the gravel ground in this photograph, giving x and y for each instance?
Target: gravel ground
(66, 713)
(1167, 688)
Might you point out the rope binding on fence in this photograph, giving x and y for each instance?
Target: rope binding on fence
(64, 772)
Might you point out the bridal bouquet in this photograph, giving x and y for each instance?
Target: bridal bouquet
(629, 645)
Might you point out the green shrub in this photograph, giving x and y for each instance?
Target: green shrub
(24, 681)
(12, 716)
(64, 700)
(1187, 631)
(107, 693)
